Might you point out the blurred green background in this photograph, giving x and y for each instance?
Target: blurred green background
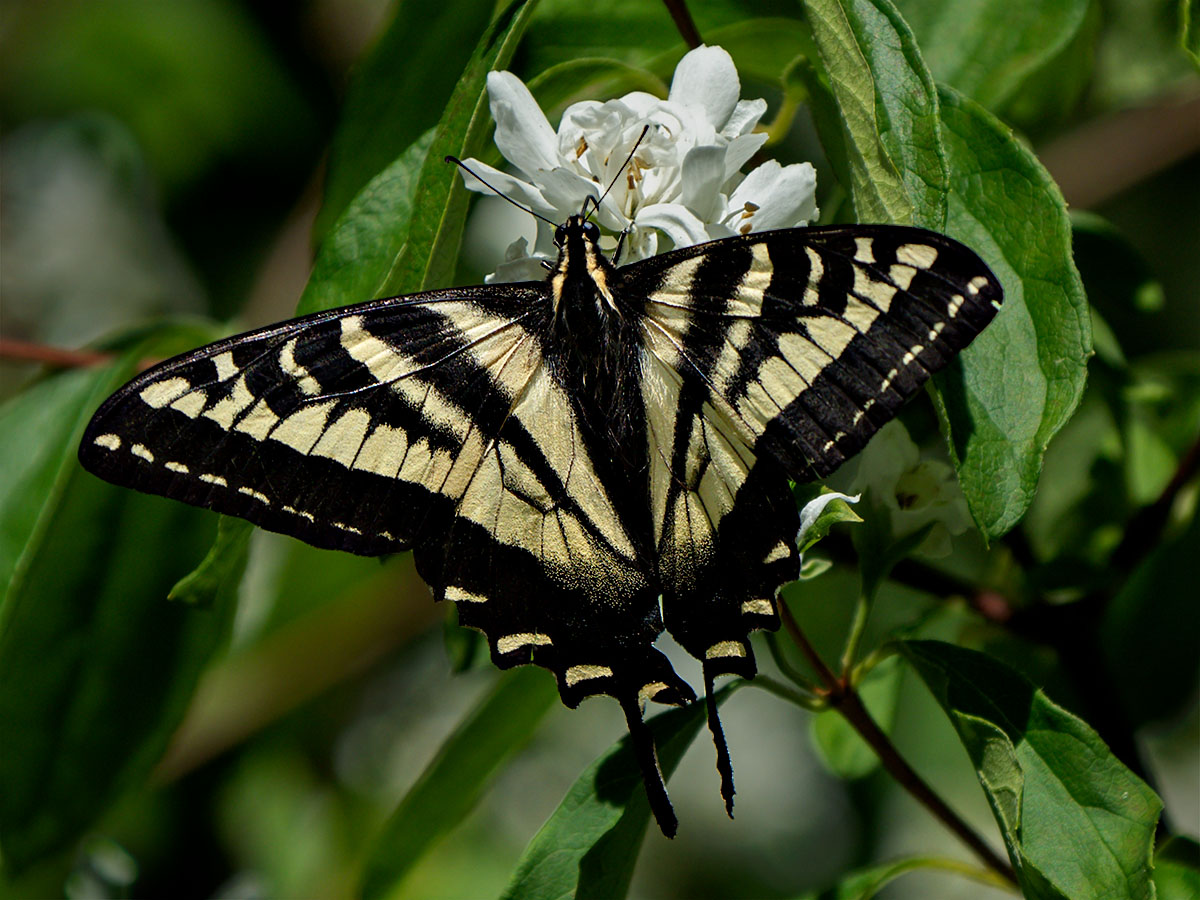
(167, 158)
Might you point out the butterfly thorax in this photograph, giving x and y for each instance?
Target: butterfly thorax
(595, 346)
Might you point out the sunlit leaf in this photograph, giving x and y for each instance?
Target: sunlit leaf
(1077, 823)
(877, 111)
(1010, 392)
(397, 94)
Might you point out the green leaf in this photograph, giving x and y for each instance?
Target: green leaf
(451, 785)
(589, 845)
(356, 259)
(1010, 392)
(634, 31)
(877, 112)
(990, 48)
(866, 883)
(1077, 823)
(223, 564)
(829, 510)
(1189, 29)
(397, 93)
(429, 256)
(841, 748)
(1177, 869)
(400, 234)
(96, 665)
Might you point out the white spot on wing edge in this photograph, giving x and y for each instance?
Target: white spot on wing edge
(460, 595)
(723, 649)
(179, 467)
(649, 690)
(108, 442)
(511, 642)
(976, 285)
(576, 674)
(142, 452)
(757, 607)
(298, 512)
(250, 492)
(214, 479)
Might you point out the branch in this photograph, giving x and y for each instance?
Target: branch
(56, 357)
(843, 696)
(683, 22)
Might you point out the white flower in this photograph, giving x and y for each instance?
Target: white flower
(913, 493)
(684, 181)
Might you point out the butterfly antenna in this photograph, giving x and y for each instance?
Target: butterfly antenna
(458, 162)
(621, 171)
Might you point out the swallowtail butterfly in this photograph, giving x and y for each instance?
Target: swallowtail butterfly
(576, 463)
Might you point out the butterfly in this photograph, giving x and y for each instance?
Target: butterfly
(576, 463)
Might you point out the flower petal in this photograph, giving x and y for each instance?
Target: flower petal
(701, 175)
(522, 133)
(502, 183)
(785, 196)
(707, 78)
(676, 221)
(739, 151)
(745, 116)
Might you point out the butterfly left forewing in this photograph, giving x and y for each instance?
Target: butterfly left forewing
(345, 429)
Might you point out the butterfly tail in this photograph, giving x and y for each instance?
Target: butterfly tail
(647, 757)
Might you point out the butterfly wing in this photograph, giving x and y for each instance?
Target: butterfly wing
(431, 421)
(770, 356)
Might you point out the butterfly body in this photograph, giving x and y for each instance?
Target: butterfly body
(562, 454)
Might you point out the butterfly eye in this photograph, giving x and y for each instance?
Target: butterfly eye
(560, 236)
(591, 232)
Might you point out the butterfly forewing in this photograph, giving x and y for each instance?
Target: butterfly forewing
(809, 340)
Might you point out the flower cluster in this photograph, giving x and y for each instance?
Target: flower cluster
(683, 181)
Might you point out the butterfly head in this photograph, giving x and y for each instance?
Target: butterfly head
(581, 272)
(576, 228)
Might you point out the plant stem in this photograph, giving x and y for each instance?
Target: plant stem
(795, 675)
(790, 694)
(57, 357)
(862, 609)
(850, 705)
(843, 697)
(683, 22)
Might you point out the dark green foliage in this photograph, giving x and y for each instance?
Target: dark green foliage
(320, 753)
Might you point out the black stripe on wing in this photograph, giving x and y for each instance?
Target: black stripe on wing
(340, 428)
(811, 339)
